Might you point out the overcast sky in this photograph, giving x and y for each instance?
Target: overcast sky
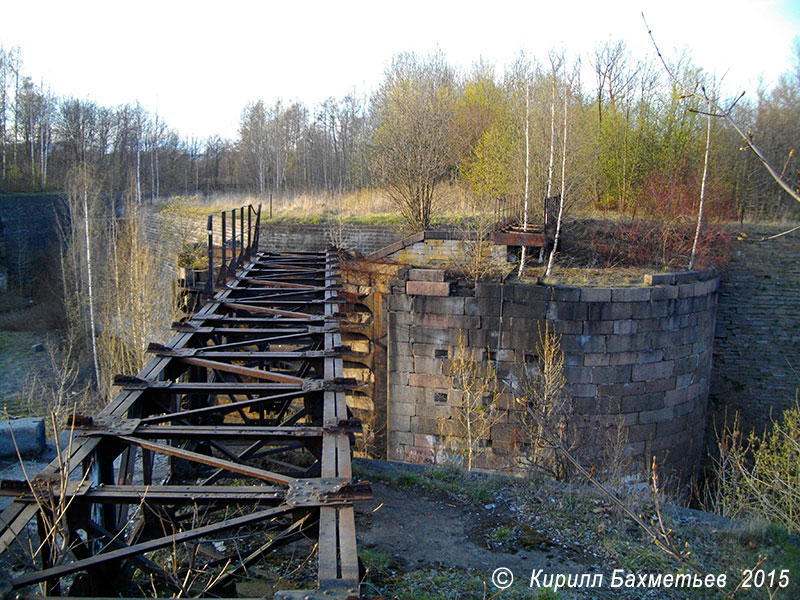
(198, 62)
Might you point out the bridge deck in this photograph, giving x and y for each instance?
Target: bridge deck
(249, 392)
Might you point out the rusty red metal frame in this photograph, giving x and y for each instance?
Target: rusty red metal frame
(250, 391)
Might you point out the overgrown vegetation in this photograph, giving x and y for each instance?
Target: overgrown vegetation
(758, 476)
(570, 524)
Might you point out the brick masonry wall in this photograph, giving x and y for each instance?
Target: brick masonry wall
(641, 355)
(757, 348)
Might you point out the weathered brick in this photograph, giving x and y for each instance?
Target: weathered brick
(598, 327)
(427, 288)
(595, 294)
(650, 371)
(405, 409)
(656, 416)
(446, 321)
(426, 275)
(625, 326)
(430, 335)
(605, 375)
(424, 380)
(630, 294)
(439, 305)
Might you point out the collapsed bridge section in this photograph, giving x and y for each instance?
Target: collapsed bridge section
(232, 443)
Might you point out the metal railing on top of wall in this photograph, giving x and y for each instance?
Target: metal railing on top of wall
(229, 245)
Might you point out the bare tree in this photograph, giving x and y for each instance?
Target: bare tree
(411, 146)
(716, 110)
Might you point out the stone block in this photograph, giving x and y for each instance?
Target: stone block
(426, 275)
(625, 326)
(656, 416)
(583, 390)
(649, 371)
(606, 375)
(664, 292)
(427, 288)
(404, 409)
(530, 293)
(641, 402)
(28, 434)
(430, 335)
(595, 295)
(641, 432)
(428, 381)
(566, 294)
(487, 290)
(449, 305)
(399, 422)
(426, 364)
(596, 359)
(598, 327)
(447, 321)
(426, 425)
(630, 294)
(660, 385)
(622, 358)
(628, 388)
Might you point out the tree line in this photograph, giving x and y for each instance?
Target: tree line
(636, 141)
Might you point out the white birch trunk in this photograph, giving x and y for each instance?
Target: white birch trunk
(702, 191)
(92, 330)
(563, 189)
(522, 257)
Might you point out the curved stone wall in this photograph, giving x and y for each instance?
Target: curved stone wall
(637, 359)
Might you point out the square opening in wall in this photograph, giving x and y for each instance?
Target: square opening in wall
(439, 397)
(440, 353)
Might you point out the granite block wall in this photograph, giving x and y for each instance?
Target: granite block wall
(641, 355)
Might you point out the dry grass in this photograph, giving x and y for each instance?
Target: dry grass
(359, 206)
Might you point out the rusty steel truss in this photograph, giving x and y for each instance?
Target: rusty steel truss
(232, 443)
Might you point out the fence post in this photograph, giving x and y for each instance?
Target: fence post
(209, 287)
(223, 268)
(249, 231)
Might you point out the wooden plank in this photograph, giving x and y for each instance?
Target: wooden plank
(15, 525)
(343, 463)
(327, 544)
(347, 545)
(329, 455)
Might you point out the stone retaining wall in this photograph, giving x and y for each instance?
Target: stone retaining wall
(757, 348)
(637, 356)
(318, 237)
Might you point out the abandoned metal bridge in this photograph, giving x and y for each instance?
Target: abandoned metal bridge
(228, 456)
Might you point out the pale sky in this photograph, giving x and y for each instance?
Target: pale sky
(198, 62)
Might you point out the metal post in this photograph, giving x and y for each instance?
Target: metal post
(209, 289)
(258, 228)
(241, 232)
(223, 268)
(249, 231)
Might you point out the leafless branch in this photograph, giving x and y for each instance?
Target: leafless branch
(725, 114)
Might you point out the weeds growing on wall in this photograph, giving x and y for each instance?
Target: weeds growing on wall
(467, 428)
